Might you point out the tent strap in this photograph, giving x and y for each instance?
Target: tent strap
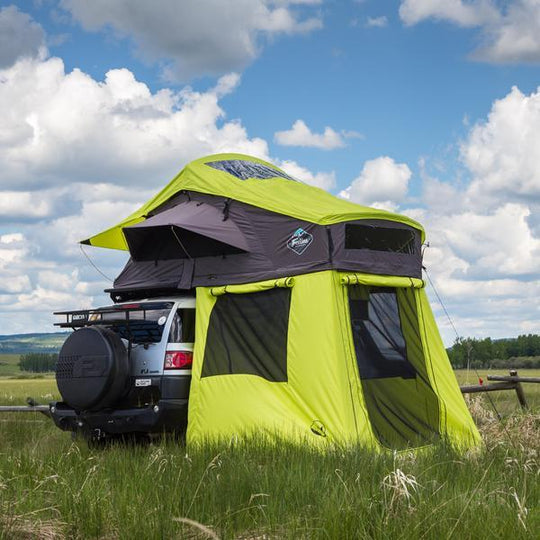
(382, 281)
(285, 282)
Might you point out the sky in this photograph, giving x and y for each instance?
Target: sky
(430, 108)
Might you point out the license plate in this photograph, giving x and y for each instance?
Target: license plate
(143, 382)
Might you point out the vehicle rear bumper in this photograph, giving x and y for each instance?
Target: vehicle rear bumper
(167, 415)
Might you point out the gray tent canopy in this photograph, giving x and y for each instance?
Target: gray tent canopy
(231, 221)
(190, 229)
(185, 243)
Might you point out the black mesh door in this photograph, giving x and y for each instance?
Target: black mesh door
(402, 406)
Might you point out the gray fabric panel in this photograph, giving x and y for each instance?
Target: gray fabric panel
(197, 217)
(278, 246)
(372, 261)
(186, 280)
(163, 274)
(269, 238)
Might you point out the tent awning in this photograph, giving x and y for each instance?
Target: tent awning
(188, 230)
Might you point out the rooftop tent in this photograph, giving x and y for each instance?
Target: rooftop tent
(255, 182)
(312, 318)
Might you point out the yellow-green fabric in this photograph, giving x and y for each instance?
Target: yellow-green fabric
(277, 194)
(376, 280)
(456, 422)
(252, 287)
(318, 389)
(323, 392)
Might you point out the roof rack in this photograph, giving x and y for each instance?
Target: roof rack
(90, 317)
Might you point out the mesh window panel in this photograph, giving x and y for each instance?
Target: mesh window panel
(380, 239)
(378, 339)
(402, 407)
(247, 334)
(244, 169)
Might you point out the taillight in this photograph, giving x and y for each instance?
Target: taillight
(178, 360)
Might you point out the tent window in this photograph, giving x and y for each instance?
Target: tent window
(244, 169)
(378, 338)
(247, 334)
(379, 239)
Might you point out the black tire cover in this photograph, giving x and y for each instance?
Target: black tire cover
(92, 368)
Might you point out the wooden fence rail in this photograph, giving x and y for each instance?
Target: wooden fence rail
(505, 382)
(43, 409)
(513, 378)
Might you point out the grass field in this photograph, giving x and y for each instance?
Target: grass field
(9, 364)
(51, 487)
(9, 367)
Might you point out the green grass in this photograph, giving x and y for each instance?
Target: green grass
(51, 487)
(15, 391)
(9, 364)
(9, 367)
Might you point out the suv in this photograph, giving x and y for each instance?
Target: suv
(125, 371)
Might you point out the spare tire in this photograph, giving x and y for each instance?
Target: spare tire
(93, 369)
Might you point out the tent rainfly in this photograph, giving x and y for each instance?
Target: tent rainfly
(311, 316)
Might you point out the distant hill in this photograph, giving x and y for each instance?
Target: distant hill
(35, 343)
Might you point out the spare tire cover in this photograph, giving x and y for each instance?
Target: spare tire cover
(92, 368)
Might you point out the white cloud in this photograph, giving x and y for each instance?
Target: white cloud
(472, 13)
(301, 135)
(485, 293)
(21, 206)
(323, 180)
(12, 249)
(377, 22)
(14, 284)
(503, 153)
(383, 183)
(495, 244)
(20, 36)
(509, 35)
(197, 37)
(58, 127)
(516, 37)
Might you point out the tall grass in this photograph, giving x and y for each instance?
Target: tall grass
(51, 487)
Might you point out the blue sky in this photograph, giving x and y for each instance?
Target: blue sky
(427, 107)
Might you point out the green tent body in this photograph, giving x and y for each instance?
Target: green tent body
(312, 321)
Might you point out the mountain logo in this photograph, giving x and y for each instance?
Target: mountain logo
(299, 241)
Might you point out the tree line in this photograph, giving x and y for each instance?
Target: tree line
(38, 362)
(520, 352)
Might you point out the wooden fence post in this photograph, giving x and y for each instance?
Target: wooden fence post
(519, 391)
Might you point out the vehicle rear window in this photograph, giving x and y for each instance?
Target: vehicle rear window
(183, 326)
(139, 323)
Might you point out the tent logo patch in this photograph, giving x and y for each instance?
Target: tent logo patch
(299, 241)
